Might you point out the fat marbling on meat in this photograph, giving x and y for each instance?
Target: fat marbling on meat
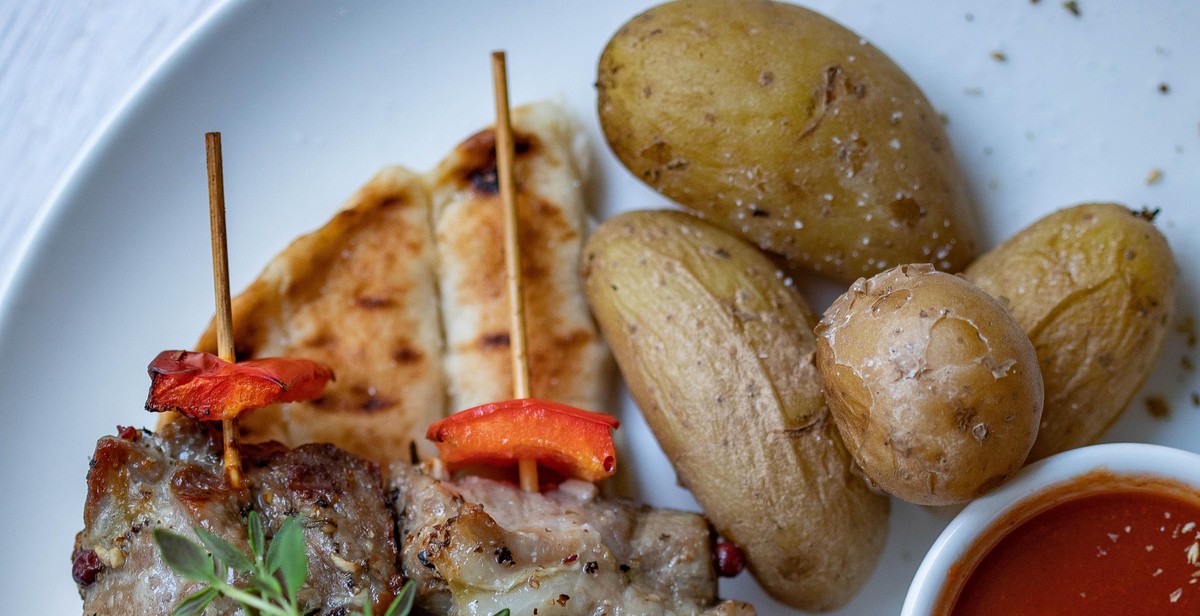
(476, 546)
(173, 479)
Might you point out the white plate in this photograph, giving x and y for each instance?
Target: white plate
(313, 97)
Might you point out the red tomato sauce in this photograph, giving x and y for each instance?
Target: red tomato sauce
(1128, 553)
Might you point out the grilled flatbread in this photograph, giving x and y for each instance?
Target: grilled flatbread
(359, 295)
(568, 362)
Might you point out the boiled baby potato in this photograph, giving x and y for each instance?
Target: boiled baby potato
(933, 385)
(717, 349)
(1094, 288)
(787, 129)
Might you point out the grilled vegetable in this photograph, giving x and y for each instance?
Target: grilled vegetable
(574, 442)
(206, 387)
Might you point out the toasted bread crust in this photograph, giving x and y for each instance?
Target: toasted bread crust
(358, 295)
(368, 293)
(568, 361)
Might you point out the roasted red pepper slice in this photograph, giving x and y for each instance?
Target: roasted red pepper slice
(206, 387)
(574, 442)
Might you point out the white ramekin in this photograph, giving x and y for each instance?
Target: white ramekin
(1135, 460)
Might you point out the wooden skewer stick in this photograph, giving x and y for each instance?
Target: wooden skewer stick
(220, 255)
(526, 467)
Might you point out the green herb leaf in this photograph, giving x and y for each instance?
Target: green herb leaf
(503, 612)
(272, 579)
(185, 557)
(403, 602)
(224, 551)
(266, 584)
(254, 535)
(196, 602)
(286, 555)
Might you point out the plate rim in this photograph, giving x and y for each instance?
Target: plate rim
(15, 278)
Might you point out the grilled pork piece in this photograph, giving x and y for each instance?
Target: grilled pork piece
(476, 546)
(173, 479)
(349, 529)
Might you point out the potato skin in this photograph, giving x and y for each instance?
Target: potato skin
(1094, 288)
(717, 350)
(787, 129)
(934, 387)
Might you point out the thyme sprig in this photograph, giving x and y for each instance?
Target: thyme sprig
(274, 572)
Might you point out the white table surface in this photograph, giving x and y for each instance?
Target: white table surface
(65, 65)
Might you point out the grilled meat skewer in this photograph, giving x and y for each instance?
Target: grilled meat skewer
(472, 545)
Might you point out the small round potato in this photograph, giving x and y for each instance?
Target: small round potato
(783, 127)
(934, 387)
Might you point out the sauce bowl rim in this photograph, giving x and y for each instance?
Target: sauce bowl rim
(1135, 459)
